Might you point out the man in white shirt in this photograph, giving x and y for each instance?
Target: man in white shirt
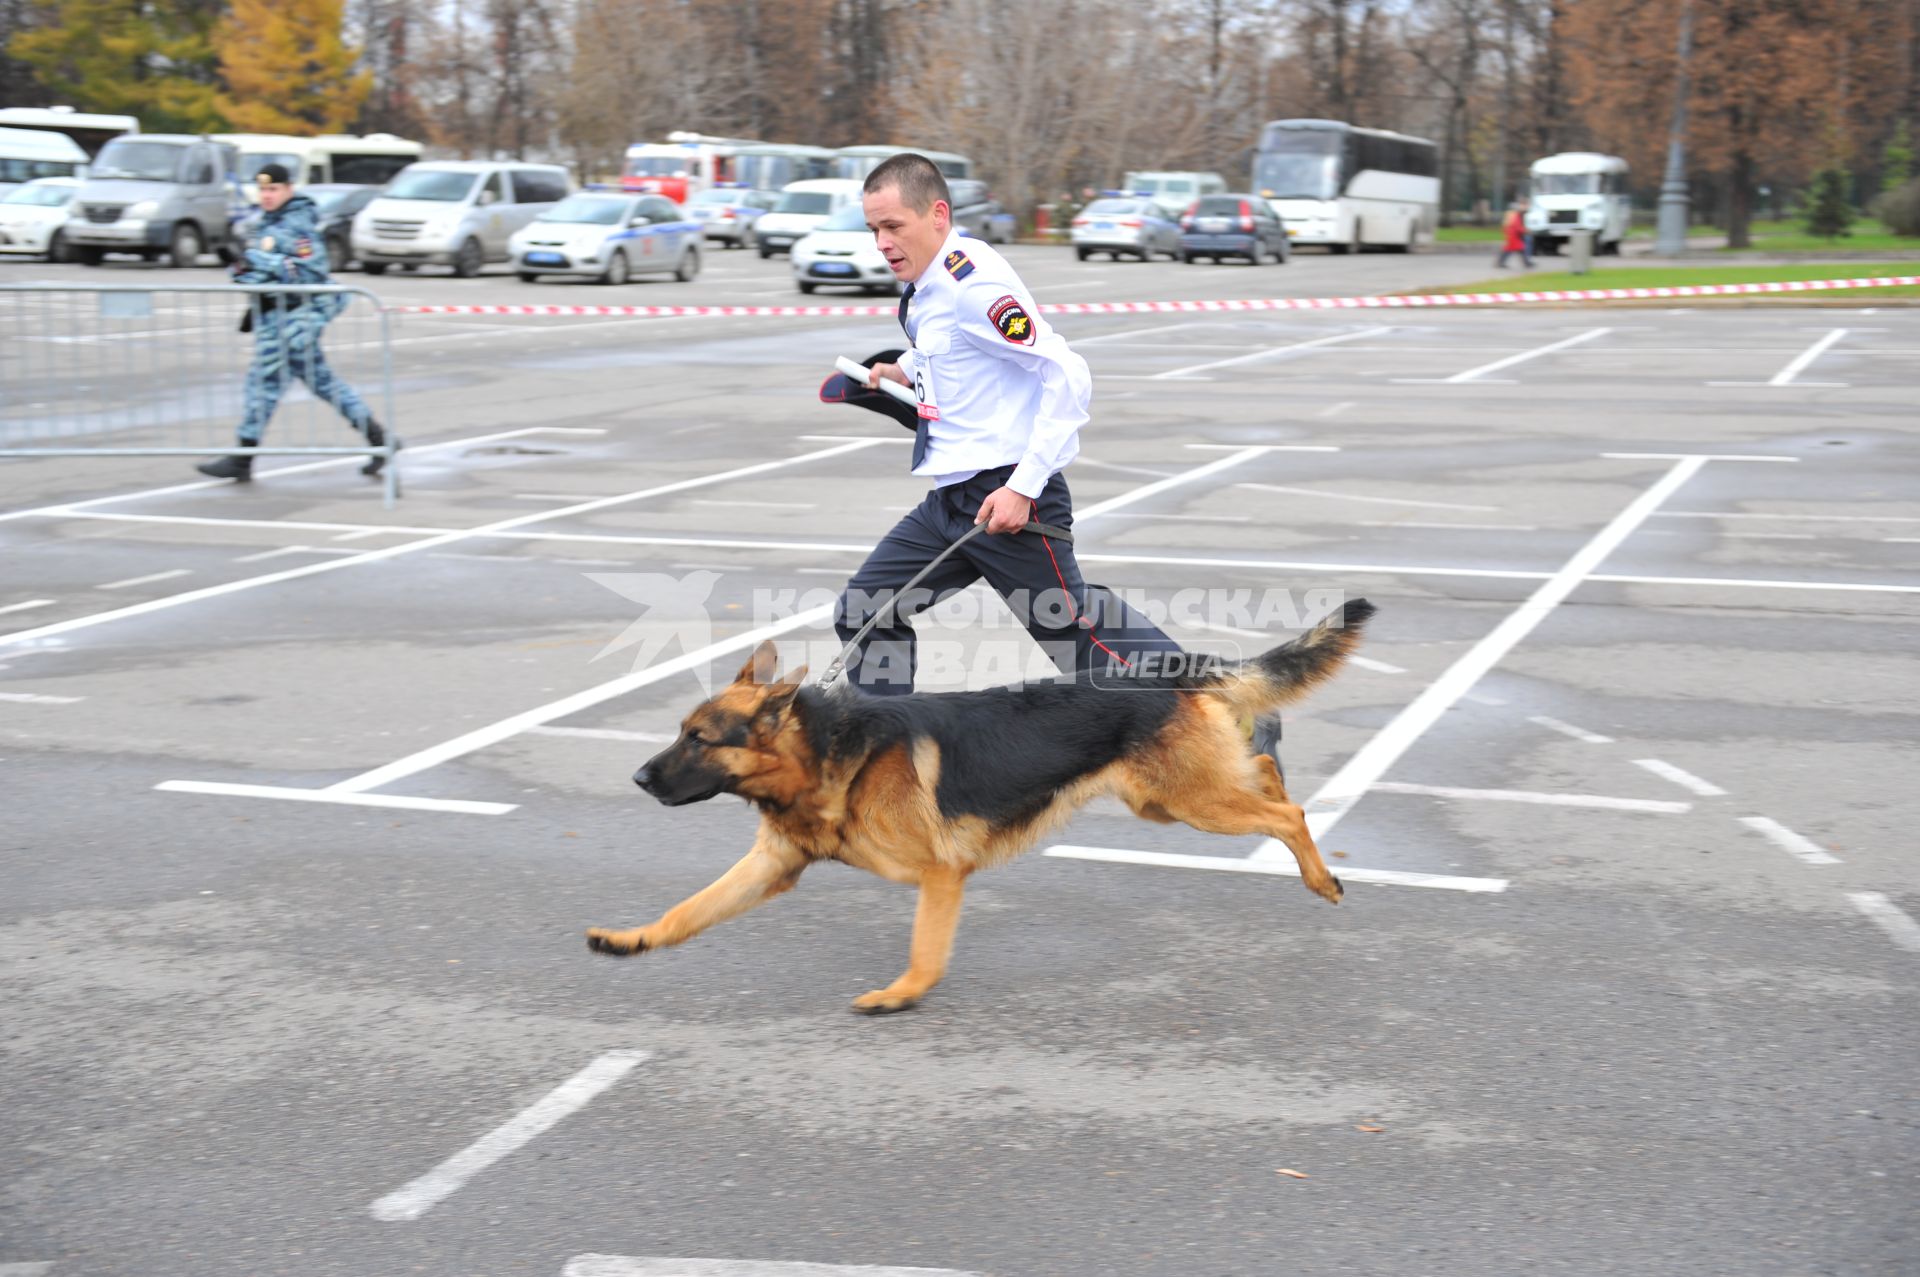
(1002, 399)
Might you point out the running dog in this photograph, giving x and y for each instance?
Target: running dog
(928, 788)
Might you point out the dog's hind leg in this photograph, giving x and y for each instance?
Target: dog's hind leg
(1235, 803)
(934, 921)
(766, 871)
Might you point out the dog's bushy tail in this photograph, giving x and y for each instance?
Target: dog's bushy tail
(1287, 673)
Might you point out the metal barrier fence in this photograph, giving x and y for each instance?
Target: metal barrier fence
(137, 370)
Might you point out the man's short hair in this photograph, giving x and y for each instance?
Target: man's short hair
(917, 178)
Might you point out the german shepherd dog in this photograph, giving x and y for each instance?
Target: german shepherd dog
(929, 787)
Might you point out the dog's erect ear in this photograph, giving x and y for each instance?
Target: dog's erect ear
(762, 667)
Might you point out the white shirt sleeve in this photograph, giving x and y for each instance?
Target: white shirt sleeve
(992, 319)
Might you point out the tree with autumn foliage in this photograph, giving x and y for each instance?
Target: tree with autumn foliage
(152, 59)
(288, 69)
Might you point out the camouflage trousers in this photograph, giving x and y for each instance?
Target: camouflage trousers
(287, 345)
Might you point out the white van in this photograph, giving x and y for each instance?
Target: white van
(156, 195)
(1579, 190)
(802, 207)
(338, 158)
(27, 154)
(457, 213)
(1173, 192)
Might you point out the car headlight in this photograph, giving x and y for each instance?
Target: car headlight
(142, 209)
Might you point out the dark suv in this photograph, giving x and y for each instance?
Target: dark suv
(1220, 226)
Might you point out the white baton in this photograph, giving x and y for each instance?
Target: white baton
(864, 376)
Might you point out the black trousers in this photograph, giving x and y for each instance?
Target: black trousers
(1081, 628)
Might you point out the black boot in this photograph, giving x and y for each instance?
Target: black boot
(378, 438)
(1266, 740)
(239, 468)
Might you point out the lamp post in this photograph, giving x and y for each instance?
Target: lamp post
(1672, 226)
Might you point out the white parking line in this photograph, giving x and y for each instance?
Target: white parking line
(30, 603)
(1793, 844)
(1268, 353)
(142, 580)
(604, 733)
(661, 1266)
(30, 1269)
(1785, 377)
(1568, 729)
(421, 1195)
(34, 698)
(1475, 374)
(1684, 779)
(1529, 796)
(1447, 527)
(1283, 868)
(1348, 496)
(1352, 781)
(1889, 917)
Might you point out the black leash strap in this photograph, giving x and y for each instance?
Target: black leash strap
(839, 664)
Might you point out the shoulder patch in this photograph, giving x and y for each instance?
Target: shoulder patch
(958, 264)
(1012, 320)
(303, 247)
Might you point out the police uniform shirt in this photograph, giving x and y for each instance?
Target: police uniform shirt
(997, 385)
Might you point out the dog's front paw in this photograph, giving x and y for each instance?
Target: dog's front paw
(620, 944)
(882, 1002)
(1330, 891)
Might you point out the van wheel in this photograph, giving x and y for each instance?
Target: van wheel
(528, 277)
(468, 261)
(374, 268)
(339, 253)
(688, 267)
(58, 250)
(184, 248)
(616, 272)
(765, 252)
(1082, 254)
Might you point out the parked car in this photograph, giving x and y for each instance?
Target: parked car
(610, 236)
(841, 253)
(977, 213)
(803, 206)
(728, 214)
(457, 213)
(33, 216)
(1219, 226)
(338, 205)
(154, 195)
(1131, 225)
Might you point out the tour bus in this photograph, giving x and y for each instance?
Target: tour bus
(1579, 191)
(26, 154)
(1348, 188)
(90, 131)
(332, 157)
(857, 161)
(682, 166)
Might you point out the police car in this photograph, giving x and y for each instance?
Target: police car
(728, 211)
(609, 236)
(841, 251)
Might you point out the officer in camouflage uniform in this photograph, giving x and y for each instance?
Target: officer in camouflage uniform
(284, 245)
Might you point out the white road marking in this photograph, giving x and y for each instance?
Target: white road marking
(659, 1266)
(604, 733)
(1269, 353)
(1191, 518)
(430, 543)
(1793, 844)
(21, 607)
(1139, 332)
(1154, 489)
(1340, 793)
(293, 549)
(1684, 779)
(1475, 374)
(1651, 805)
(142, 580)
(1284, 868)
(1816, 518)
(1448, 527)
(1710, 456)
(1786, 375)
(1889, 917)
(1578, 733)
(29, 1269)
(289, 794)
(35, 698)
(1331, 409)
(1348, 496)
(1378, 667)
(761, 505)
(422, 1195)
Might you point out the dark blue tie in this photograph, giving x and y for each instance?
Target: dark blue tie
(920, 440)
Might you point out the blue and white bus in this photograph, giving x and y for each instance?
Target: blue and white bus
(1348, 188)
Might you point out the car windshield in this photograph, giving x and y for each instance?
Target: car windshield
(439, 185)
(1113, 208)
(805, 202)
(251, 162)
(851, 218)
(1566, 183)
(39, 196)
(139, 161)
(587, 210)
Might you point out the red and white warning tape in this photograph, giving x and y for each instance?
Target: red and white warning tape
(1415, 302)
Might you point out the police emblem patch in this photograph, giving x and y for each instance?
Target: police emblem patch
(1012, 320)
(303, 247)
(958, 264)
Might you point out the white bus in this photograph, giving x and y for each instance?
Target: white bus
(26, 154)
(1348, 188)
(857, 161)
(1579, 191)
(90, 131)
(332, 157)
(773, 166)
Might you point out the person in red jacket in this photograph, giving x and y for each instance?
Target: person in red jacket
(1513, 229)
